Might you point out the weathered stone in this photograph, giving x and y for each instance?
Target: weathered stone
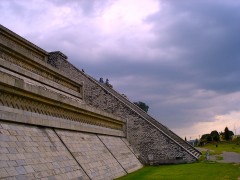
(56, 122)
(121, 152)
(92, 154)
(38, 162)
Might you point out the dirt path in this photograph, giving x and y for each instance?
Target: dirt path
(230, 157)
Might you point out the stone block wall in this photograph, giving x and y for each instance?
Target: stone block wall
(121, 152)
(47, 130)
(78, 125)
(92, 154)
(155, 147)
(152, 145)
(31, 152)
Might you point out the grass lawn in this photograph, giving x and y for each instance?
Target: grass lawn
(202, 170)
(223, 146)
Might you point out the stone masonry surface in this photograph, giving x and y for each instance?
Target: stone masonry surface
(28, 104)
(146, 140)
(37, 86)
(92, 154)
(44, 119)
(121, 152)
(30, 152)
(162, 150)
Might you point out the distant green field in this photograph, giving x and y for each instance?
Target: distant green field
(202, 170)
(223, 146)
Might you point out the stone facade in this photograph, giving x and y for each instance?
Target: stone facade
(121, 152)
(92, 154)
(153, 142)
(43, 115)
(30, 152)
(57, 122)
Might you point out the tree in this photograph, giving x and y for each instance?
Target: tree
(215, 136)
(205, 138)
(226, 134)
(142, 105)
(221, 136)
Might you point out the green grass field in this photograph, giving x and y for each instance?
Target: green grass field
(202, 170)
(223, 146)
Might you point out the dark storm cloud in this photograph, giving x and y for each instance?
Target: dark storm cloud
(208, 31)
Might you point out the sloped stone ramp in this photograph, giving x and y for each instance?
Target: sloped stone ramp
(32, 152)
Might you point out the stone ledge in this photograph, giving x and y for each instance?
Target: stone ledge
(21, 116)
(41, 68)
(14, 82)
(23, 53)
(19, 72)
(21, 39)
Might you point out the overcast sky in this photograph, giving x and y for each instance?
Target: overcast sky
(181, 57)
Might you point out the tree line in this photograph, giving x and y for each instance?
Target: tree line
(215, 136)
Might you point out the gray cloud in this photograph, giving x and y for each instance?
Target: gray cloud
(185, 66)
(88, 8)
(207, 31)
